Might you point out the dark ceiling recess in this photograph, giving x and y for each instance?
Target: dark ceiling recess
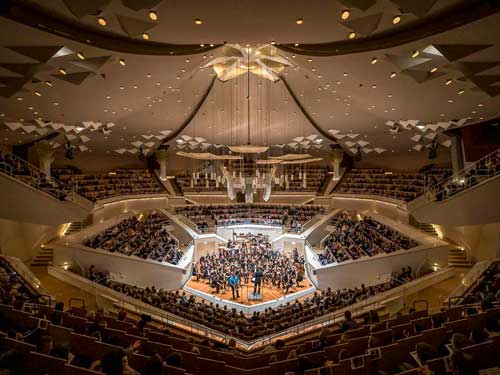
(479, 139)
(449, 18)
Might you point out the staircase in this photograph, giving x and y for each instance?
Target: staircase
(458, 258)
(427, 228)
(73, 228)
(43, 258)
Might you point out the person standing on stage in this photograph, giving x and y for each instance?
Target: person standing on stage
(234, 282)
(257, 281)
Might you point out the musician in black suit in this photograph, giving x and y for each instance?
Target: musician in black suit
(257, 281)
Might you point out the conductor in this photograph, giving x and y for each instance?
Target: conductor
(257, 281)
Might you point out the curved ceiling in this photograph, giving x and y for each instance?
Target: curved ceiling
(360, 103)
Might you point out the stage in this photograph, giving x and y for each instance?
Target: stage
(269, 293)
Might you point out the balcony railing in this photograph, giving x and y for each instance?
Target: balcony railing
(21, 170)
(476, 173)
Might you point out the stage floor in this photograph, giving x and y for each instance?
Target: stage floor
(268, 291)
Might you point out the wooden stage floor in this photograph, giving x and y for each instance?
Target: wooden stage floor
(268, 291)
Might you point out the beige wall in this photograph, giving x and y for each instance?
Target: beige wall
(481, 242)
(22, 239)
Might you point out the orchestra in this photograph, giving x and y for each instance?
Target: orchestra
(250, 258)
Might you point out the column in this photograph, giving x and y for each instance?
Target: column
(162, 157)
(337, 156)
(457, 155)
(45, 156)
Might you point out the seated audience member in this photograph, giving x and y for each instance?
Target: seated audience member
(348, 322)
(462, 363)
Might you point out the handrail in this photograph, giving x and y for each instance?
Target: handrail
(461, 180)
(356, 309)
(36, 174)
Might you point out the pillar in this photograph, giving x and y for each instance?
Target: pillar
(45, 156)
(162, 157)
(457, 155)
(337, 156)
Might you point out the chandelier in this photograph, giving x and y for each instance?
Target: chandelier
(234, 60)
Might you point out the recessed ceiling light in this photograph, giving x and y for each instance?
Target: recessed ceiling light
(273, 42)
(62, 71)
(55, 103)
(19, 98)
(153, 15)
(448, 82)
(396, 20)
(345, 75)
(102, 21)
(122, 62)
(374, 86)
(145, 36)
(198, 21)
(393, 74)
(309, 60)
(352, 35)
(296, 45)
(461, 92)
(80, 56)
(48, 83)
(148, 75)
(433, 70)
(479, 105)
(345, 14)
(374, 60)
(415, 53)
(122, 88)
(108, 97)
(299, 21)
(37, 93)
(450, 100)
(135, 86)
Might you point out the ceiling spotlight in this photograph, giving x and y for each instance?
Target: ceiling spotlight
(102, 21)
(122, 62)
(461, 92)
(273, 42)
(48, 83)
(37, 93)
(448, 82)
(415, 53)
(396, 20)
(296, 44)
(198, 21)
(433, 70)
(393, 74)
(352, 35)
(374, 60)
(299, 21)
(62, 71)
(345, 15)
(20, 99)
(153, 15)
(145, 36)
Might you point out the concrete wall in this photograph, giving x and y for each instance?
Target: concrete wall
(482, 242)
(375, 270)
(22, 240)
(122, 268)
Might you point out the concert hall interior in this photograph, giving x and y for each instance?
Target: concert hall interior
(249, 188)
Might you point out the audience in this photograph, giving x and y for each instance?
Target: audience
(294, 217)
(478, 172)
(29, 174)
(259, 323)
(144, 236)
(354, 237)
(400, 185)
(105, 185)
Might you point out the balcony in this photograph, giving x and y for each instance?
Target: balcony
(28, 195)
(469, 197)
